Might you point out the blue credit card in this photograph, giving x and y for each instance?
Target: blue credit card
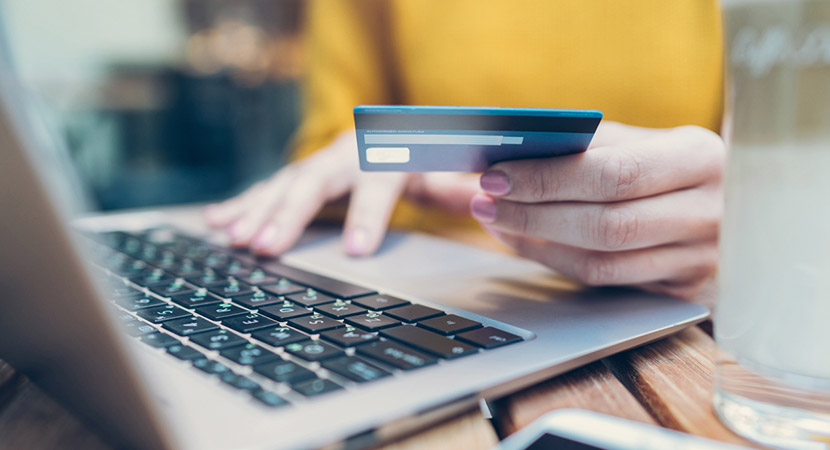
(466, 139)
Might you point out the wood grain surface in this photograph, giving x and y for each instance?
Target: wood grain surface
(30, 419)
(592, 387)
(674, 379)
(471, 431)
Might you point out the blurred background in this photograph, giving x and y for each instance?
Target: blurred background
(164, 101)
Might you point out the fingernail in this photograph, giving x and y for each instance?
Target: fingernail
(357, 241)
(495, 182)
(238, 232)
(483, 209)
(266, 238)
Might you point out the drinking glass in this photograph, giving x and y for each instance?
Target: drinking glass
(773, 314)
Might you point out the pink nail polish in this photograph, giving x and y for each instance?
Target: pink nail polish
(483, 209)
(266, 238)
(236, 230)
(495, 182)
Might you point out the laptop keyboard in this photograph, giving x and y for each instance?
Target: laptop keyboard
(280, 334)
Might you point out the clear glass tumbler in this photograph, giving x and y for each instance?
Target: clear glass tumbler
(773, 313)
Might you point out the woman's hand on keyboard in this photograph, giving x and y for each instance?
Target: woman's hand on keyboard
(271, 216)
(641, 207)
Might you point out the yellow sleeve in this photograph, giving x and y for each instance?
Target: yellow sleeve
(345, 67)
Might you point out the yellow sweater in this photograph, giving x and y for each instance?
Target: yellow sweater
(651, 63)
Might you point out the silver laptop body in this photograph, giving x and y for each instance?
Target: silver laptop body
(57, 326)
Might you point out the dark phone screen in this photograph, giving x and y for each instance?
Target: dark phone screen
(550, 441)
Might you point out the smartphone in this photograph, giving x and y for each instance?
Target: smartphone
(574, 429)
(464, 138)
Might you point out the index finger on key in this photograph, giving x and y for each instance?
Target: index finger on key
(667, 160)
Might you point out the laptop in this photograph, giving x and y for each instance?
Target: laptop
(159, 336)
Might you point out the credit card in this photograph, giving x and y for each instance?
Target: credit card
(466, 139)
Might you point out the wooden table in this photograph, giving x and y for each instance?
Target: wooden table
(668, 383)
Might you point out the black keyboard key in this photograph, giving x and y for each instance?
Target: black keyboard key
(349, 336)
(315, 323)
(284, 311)
(184, 352)
(210, 366)
(162, 313)
(195, 250)
(310, 297)
(340, 309)
(283, 286)
(186, 268)
(155, 276)
(216, 260)
(413, 313)
(284, 371)
(188, 326)
(229, 288)
(248, 322)
(138, 328)
(396, 355)
(206, 277)
(159, 340)
(379, 302)
(488, 337)
(221, 311)
(318, 386)
(279, 336)
(166, 260)
(120, 290)
(218, 340)
(258, 277)
(136, 302)
(449, 324)
(249, 355)
(337, 288)
(130, 244)
(239, 382)
(270, 399)
(171, 288)
(131, 268)
(255, 299)
(179, 247)
(149, 252)
(428, 341)
(236, 269)
(313, 350)
(194, 299)
(124, 317)
(372, 321)
(355, 368)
